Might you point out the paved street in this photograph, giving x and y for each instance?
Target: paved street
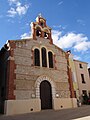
(65, 114)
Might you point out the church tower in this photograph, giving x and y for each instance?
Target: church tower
(40, 29)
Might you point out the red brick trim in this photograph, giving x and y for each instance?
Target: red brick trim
(10, 74)
(33, 31)
(72, 95)
(50, 38)
(71, 83)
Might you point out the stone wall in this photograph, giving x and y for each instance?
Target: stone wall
(27, 73)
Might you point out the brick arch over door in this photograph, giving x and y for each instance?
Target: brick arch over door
(38, 82)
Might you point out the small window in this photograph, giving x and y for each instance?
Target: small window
(44, 57)
(82, 77)
(36, 57)
(80, 65)
(50, 58)
(84, 92)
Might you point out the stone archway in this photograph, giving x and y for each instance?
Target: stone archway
(38, 82)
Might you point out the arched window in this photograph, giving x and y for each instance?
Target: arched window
(44, 57)
(36, 57)
(50, 59)
(38, 32)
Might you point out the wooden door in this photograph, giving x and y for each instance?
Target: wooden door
(46, 95)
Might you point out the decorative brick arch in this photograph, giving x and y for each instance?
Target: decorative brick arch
(38, 82)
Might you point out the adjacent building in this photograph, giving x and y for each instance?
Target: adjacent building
(82, 78)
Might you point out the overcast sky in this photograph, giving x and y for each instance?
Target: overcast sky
(69, 20)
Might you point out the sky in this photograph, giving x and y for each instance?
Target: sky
(69, 20)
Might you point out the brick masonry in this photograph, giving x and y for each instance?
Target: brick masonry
(27, 74)
(10, 73)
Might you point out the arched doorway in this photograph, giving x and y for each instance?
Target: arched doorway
(46, 95)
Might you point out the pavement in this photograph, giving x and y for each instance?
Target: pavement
(80, 113)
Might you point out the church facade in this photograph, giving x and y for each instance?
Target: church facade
(37, 73)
